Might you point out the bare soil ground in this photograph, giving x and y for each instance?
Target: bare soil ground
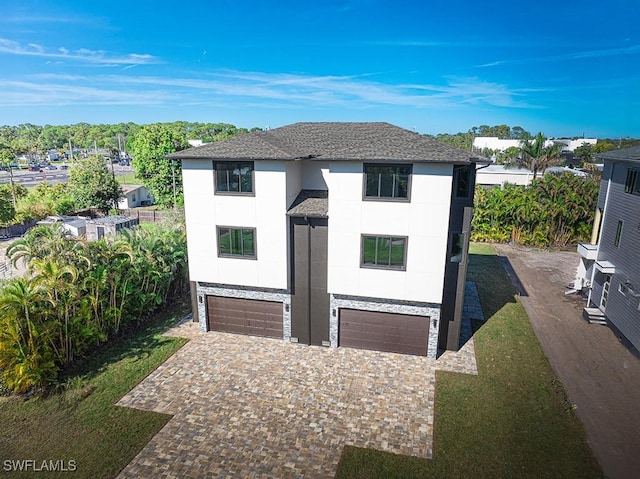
(600, 374)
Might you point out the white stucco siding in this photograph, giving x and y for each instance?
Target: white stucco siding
(265, 211)
(424, 220)
(315, 174)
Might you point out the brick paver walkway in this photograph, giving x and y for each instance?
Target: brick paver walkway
(255, 407)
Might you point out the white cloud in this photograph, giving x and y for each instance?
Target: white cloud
(244, 89)
(82, 55)
(608, 52)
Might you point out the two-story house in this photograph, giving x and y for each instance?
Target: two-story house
(610, 264)
(331, 234)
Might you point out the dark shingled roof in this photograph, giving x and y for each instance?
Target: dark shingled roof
(628, 154)
(332, 141)
(313, 203)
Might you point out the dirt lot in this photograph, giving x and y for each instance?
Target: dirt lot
(601, 376)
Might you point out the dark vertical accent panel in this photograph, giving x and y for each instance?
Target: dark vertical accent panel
(194, 300)
(300, 282)
(453, 336)
(319, 297)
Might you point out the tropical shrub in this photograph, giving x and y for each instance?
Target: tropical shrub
(554, 210)
(78, 294)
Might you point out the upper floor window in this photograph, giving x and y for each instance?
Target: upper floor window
(234, 177)
(632, 183)
(237, 242)
(387, 181)
(461, 181)
(384, 252)
(616, 240)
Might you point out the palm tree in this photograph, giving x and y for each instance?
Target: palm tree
(535, 156)
(26, 358)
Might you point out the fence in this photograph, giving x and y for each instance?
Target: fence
(16, 230)
(145, 216)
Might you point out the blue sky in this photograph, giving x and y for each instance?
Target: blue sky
(566, 68)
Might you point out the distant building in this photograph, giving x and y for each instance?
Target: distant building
(97, 228)
(498, 175)
(497, 144)
(74, 225)
(134, 197)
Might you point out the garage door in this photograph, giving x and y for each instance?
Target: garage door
(245, 316)
(395, 333)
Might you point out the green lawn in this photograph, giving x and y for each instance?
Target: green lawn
(128, 179)
(513, 420)
(82, 423)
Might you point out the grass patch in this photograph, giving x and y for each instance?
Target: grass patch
(80, 421)
(128, 179)
(512, 420)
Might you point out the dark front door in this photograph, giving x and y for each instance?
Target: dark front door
(310, 300)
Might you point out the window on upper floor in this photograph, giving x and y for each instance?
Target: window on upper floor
(387, 182)
(616, 241)
(237, 242)
(233, 177)
(461, 181)
(388, 252)
(632, 183)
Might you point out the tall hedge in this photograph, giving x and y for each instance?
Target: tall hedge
(554, 210)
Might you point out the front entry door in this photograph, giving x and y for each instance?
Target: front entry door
(310, 300)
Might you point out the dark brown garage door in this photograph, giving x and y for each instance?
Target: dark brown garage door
(395, 333)
(245, 316)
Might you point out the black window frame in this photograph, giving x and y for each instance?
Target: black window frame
(395, 174)
(241, 230)
(618, 236)
(238, 165)
(632, 182)
(457, 181)
(378, 264)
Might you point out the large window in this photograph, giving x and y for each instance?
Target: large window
(384, 252)
(387, 181)
(237, 242)
(234, 177)
(461, 181)
(632, 183)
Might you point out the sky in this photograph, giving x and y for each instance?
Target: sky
(566, 68)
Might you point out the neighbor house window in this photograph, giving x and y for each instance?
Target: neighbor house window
(616, 241)
(237, 242)
(384, 252)
(461, 181)
(387, 181)
(234, 177)
(632, 183)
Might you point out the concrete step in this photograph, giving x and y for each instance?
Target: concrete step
(594, 316)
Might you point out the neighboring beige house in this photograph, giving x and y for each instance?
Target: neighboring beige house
(134, 196)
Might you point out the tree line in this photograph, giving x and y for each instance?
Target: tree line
(28, 138)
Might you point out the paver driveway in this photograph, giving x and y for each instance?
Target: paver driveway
(252, 407)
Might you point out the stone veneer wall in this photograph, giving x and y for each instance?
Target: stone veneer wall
(386, 306)
(244, 292)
